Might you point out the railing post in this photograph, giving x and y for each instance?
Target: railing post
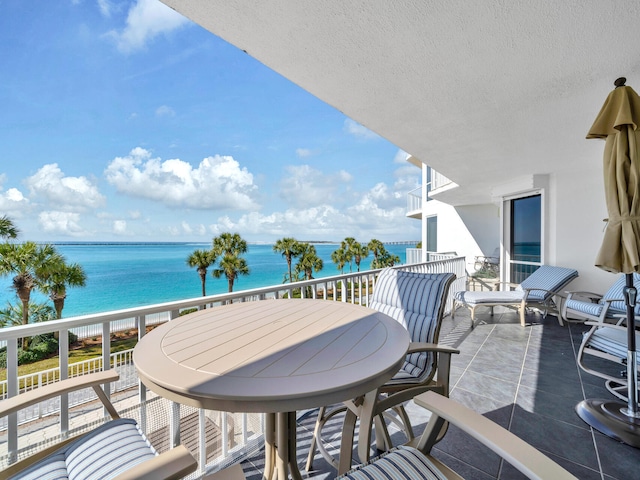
(12, 387)
(63, 351)
(106, 357)
(141, 321)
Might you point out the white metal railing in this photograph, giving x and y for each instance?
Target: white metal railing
(438, 180)
(352, 287)
(414, 201)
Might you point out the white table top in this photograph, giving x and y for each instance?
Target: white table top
(271, 355)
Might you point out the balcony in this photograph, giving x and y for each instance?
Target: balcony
(414, 197)
(526, 379)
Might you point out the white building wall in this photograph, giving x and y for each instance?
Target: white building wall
(468, 230)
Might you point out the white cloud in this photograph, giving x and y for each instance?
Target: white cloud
(303, 152)
(165, 111)
(62, 223)
(105, 7)
(306, 186)
(75, 194)
(401, 157)
(120, 227)
(146, 20)
(218, 182)
(354, 128)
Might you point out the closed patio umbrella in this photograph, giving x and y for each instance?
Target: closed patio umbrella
(619, 124)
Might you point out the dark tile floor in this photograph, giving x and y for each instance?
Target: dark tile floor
(525, 379)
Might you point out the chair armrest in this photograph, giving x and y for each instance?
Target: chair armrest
(590, 295)
(497, 285)
(37, 395)
(174, 464)
(513, 449)
(415, 347)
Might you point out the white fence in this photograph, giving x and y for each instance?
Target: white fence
(353, 287)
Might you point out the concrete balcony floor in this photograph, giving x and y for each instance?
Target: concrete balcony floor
(525, 379)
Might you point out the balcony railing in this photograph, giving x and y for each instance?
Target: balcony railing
(220, 438)
(414, 200)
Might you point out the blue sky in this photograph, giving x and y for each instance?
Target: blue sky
(123, 121)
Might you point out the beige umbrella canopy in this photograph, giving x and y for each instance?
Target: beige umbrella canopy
(618, 123)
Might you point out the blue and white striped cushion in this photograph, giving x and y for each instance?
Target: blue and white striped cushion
(584, 307)
(549, 278)
(108, 451)
(400, 463)
(616, 292)
(497, 297)
(52, 467)
(416, 300)
(612, 341)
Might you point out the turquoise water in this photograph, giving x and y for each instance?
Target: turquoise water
(131, 275)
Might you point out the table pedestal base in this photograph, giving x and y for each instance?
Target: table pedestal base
(610, 418)
(280, 447)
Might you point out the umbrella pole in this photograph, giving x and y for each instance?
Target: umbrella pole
(614, 418)
(630, 295)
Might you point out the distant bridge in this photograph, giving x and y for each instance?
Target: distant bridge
(403, 242)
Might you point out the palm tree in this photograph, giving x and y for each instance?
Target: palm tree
(385, 259)
(55, 279)
(349, 245)
(309, 261)
(376, 247)
(231, 266)
(339, 257)
(27, 262)
(229, 244)
(201, 259)
(290, 248)
(360, 251)
(7, 228)
(11, 316)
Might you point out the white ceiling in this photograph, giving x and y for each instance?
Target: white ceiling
(483, 91)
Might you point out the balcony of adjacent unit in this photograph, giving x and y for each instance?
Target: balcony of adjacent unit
(436, 182)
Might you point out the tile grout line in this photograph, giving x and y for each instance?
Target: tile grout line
(584, 396)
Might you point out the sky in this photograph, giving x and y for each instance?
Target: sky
(124, 121)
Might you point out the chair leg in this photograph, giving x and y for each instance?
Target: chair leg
(316, 433)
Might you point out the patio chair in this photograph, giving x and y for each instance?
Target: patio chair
(415, 462)
(583, 306)
(115, 450)
(609, 342)
(536, 291)
(417, 301)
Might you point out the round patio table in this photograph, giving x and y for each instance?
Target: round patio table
(272, 356)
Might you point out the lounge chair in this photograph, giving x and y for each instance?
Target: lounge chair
(415, 462)
(117, 449)
(608, 342)
(536, 291)
(416, 300)
(596, 307)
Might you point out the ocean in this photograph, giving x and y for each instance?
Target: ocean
(126, 275)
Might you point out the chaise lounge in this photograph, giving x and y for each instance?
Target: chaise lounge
(536, 291)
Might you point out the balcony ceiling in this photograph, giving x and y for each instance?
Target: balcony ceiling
(484, 92)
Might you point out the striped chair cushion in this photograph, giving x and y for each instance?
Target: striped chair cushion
(549, 278)
(52, 467)
(612, 341)
(616, 292)
(104, 453)
(496, 297)
(416, 300)
(399, 463)
(584, 307)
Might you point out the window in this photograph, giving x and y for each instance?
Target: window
(525, 242)
(432, 234)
